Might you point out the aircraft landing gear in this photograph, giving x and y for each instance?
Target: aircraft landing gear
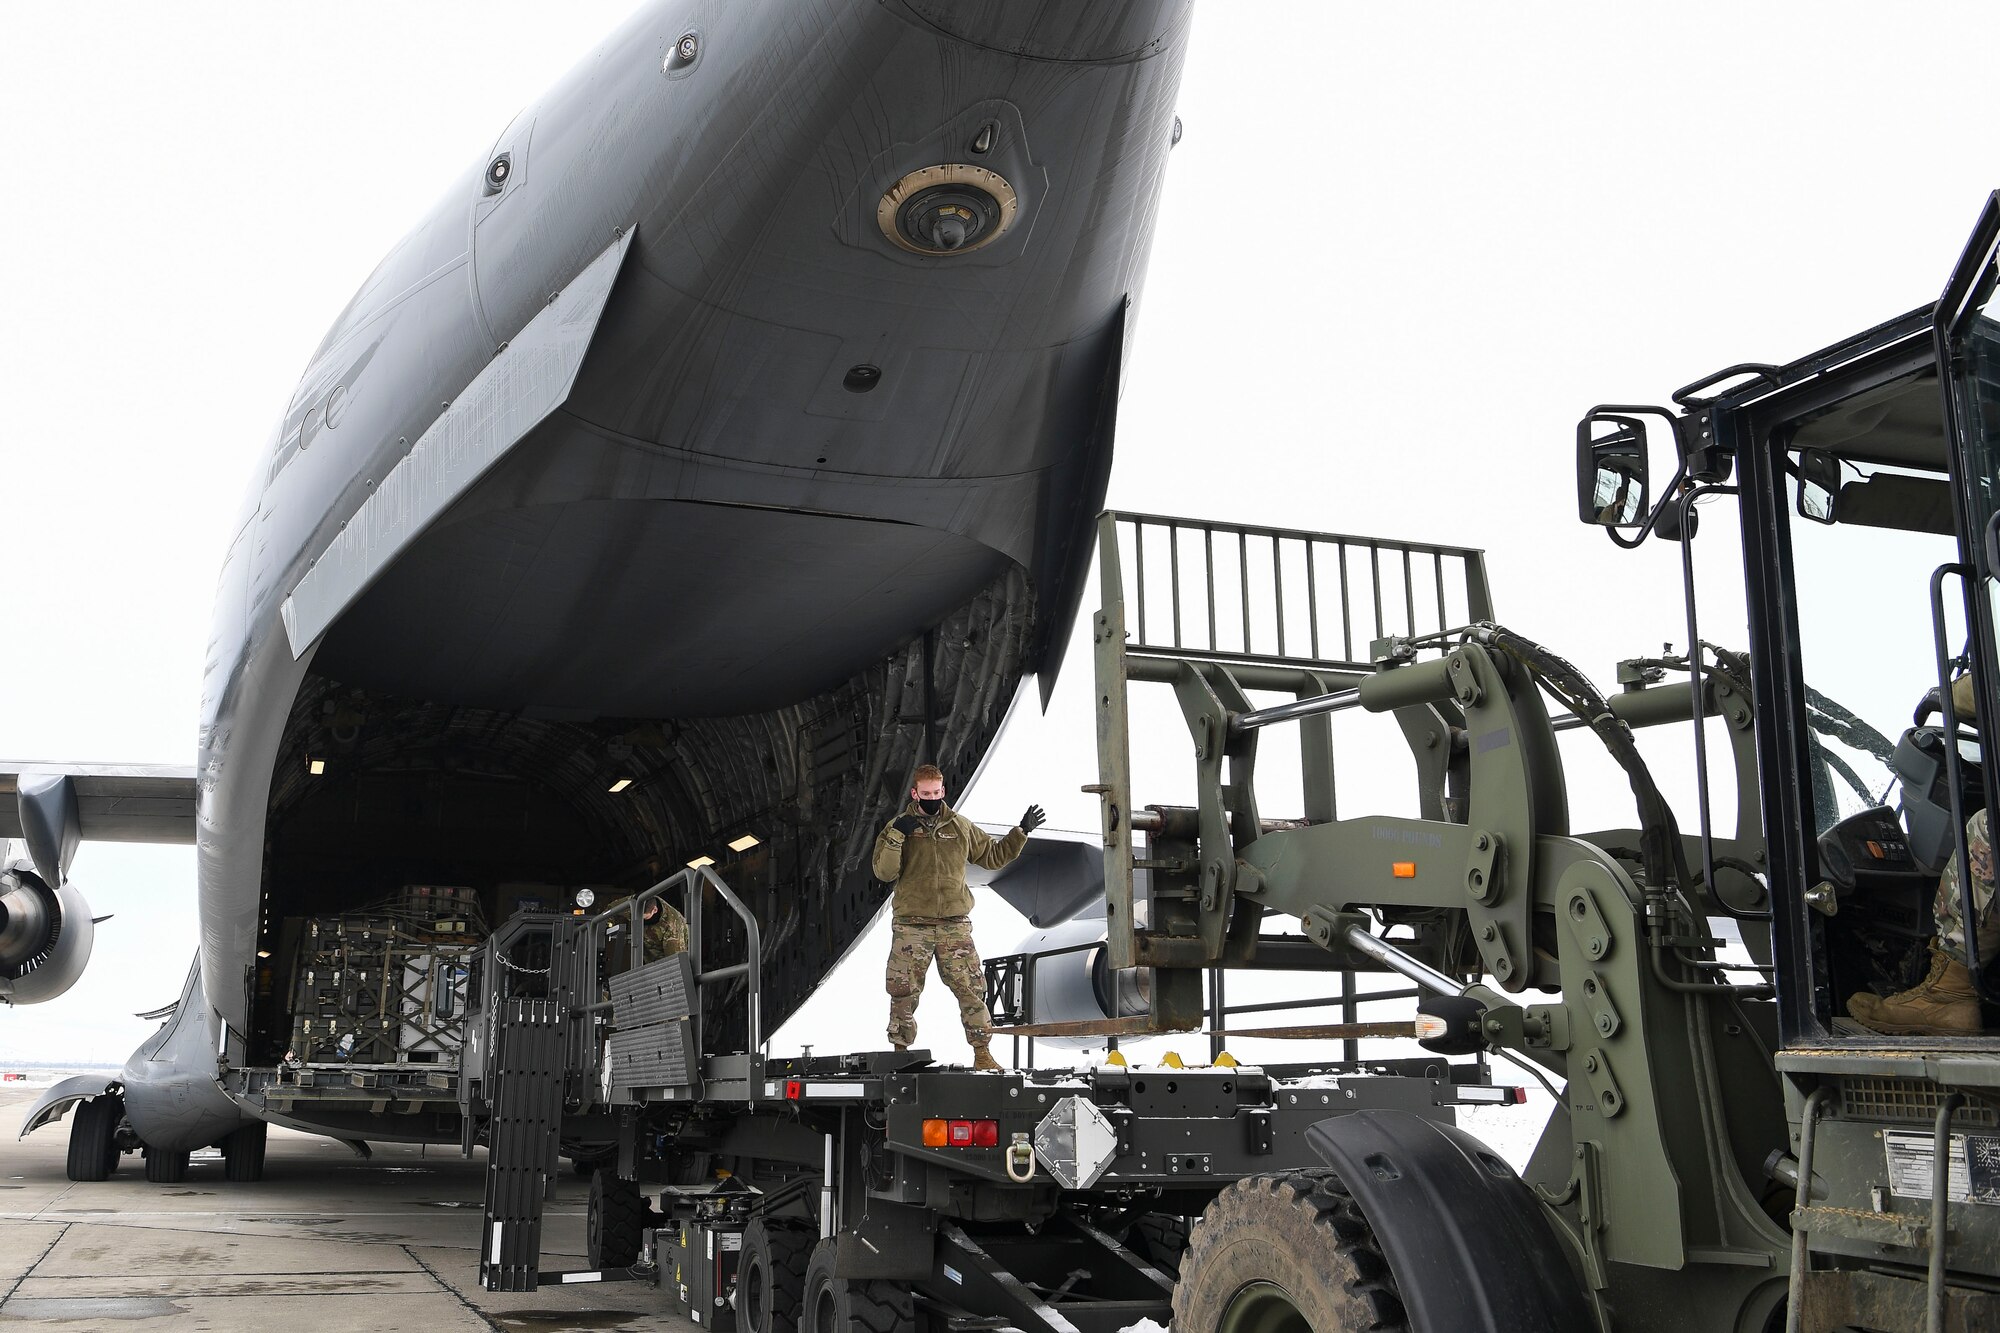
(166, 1168)
(243, 1154)
(93, 1137)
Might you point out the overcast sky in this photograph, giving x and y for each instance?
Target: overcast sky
(1402, 249)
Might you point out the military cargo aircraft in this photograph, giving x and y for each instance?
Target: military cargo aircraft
(725, 442)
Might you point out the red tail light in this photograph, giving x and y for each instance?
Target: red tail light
(961, 1133)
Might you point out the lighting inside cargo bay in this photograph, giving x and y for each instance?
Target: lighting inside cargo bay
(621, 784)
(315, 766)
(744, 843)
(701, 861)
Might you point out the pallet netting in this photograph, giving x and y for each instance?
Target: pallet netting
(386, 985)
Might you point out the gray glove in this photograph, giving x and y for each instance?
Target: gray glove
(1033, 819)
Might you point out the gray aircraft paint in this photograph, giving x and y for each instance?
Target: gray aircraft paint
(706, 524)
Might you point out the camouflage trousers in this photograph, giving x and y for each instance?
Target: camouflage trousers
(912, 945)
(1950, 924)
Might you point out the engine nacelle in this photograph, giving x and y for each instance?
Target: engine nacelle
(1070, 980)
(45, 936)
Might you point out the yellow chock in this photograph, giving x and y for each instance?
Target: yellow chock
(1225, 1061)
(1116, 1058)
(1172, 1061)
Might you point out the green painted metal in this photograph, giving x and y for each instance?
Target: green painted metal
(1585, 969)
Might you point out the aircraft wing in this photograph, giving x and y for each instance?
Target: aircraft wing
(114, 802)
(1058, 875)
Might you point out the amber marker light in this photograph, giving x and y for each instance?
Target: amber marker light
(1403, 869)
(937, 1133)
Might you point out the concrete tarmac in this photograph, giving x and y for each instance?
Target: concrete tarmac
(326, 1242)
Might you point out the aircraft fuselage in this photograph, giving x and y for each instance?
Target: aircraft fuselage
(712, 432)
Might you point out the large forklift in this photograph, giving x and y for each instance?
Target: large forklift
(1730, 1148)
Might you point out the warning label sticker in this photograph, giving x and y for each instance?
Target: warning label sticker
(1972, 1173)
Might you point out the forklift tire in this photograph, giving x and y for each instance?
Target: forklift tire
(93, 1138)
(771, 1274)
(1286, 1250)
(852, 1305)
(243, 1154)
(166, 1168)
(618, 1218)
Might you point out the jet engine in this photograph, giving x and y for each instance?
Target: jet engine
(45, 936)
(1062, 975)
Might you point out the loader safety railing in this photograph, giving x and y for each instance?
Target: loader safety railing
(688, 884)
(569, 958)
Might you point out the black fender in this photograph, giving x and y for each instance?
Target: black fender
(1470, 1245)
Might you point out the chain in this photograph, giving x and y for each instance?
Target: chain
(503, 960)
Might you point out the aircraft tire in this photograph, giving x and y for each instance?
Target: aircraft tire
(852, 1305)
(1289, 1247)
(93, 1138)
(166, 1168)
(1161, 1239)
(243, 1154)
(617, 1220)
(771, 1274)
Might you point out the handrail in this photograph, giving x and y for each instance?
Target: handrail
(755, 962)
(690, 880)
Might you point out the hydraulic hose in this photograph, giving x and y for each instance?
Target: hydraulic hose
(1660, 850)
(1659, 833)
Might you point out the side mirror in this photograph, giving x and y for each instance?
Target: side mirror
(1819, 485)
(1611, 471)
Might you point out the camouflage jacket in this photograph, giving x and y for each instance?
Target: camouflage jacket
(666, 933)
(928, 867)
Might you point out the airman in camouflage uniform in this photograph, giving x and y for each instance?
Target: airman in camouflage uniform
(666, 931)
(1946, 1001)
(924, 852)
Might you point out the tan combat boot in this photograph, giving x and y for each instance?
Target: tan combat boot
(1944, 1004)
(982, 1057)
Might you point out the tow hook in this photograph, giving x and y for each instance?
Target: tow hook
(1021, 1160)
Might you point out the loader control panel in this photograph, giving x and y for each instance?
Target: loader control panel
(1868, 850)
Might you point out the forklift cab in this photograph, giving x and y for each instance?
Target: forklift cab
(1867, 483)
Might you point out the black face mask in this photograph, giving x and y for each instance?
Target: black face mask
(931, 807)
